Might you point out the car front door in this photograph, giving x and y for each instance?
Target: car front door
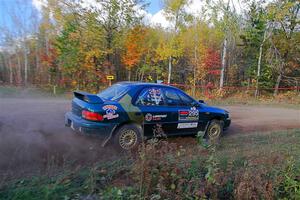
(159, 120)
(185, 111)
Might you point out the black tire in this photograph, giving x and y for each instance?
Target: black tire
(128, 137)
(214, 130)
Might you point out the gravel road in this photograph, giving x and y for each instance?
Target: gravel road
(33, 137)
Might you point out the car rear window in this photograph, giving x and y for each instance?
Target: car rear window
(114, 92)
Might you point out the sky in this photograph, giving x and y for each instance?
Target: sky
(155, 6)
(13, 10)
(28, 9)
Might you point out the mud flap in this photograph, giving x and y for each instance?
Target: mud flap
(109, 137)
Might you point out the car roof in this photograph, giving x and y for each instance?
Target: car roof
(137, 83)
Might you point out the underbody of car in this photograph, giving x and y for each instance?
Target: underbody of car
(129, 112)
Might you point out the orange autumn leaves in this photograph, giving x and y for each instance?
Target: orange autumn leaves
(134, 47)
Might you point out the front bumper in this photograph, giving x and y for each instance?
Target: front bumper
(227, 123)
(78, 124)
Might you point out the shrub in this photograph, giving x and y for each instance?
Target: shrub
(288, 186)
(167, 171)
(252, 183)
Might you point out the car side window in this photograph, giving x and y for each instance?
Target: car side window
(186, 100)
(150, 97)
(172, 98)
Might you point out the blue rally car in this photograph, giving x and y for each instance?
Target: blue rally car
(128, 112)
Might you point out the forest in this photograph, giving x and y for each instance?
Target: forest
(242, 56)
(252, 45)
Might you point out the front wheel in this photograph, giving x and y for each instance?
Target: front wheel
(128, 137)
(214, 130)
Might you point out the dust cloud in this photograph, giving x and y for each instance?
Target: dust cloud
(34, 140)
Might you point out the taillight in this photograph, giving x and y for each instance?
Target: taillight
(91, 116)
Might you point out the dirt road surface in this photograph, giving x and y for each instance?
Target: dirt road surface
(33, 137)
(247, 119)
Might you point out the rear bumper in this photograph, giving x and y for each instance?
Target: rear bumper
(104, 130)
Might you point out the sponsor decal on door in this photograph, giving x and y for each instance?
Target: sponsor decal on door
(149, 117)
(187, 125)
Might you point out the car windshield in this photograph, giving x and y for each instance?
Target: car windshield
(114, 92)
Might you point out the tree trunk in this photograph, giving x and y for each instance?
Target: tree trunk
(129, 74)
(142, 75)
(277, 84)
(37, 63)
(137, 73)
(47, 78)
(258, 71)
(223, 63)
(195, 67)
(25, 65)
(170, 70)
(19, 74)
(10, 71)
(109, 47)
(259, 65)
(2, 68)
(248, 84)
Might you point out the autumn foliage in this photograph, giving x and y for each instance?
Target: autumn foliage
(77, 47)
(134, 48)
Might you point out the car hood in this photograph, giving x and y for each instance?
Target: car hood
(212, 109)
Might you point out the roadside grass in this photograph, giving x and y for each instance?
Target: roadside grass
(228, 101)
(264, 149)
(287, 141)
(8, 90)
(31, 92)
(78, 184)
(288, 99)
(252, 166)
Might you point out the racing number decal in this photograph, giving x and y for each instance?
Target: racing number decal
(188, 115)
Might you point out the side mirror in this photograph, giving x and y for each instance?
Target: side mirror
(201, 101)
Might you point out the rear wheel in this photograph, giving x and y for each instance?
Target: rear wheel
(128, 136)
(214, 130)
